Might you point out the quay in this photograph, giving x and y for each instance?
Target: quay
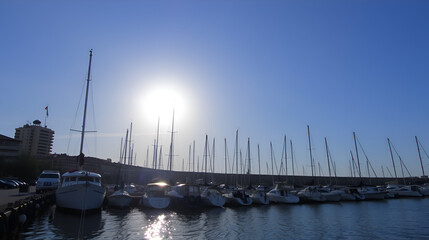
(17, 207)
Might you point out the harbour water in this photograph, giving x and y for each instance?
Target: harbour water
(385, 219)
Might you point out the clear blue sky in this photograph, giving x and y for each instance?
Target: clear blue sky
(268, 68)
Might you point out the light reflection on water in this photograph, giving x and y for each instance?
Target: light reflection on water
(391, 219)
(157, 229)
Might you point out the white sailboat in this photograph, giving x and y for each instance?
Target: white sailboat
(281, 195)
(372, 193)
(81, 190)
(212, 197)
(119, 199)
(406, 191)
(259, 197)
(311, 194)
(238, 197)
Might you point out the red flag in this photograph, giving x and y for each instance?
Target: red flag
(46, 108)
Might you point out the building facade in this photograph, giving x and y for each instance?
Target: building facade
(35, 139)
(9, 147)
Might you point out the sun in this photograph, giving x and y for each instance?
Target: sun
(161, 101)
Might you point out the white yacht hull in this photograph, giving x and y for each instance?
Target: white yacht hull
(424, 191)
(211, 199)
(119, 199)
(237, 201)
(260, 198)
(80, 197)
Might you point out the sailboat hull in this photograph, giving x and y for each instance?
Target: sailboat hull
(260, 198)
(119, 199)
(80, 197)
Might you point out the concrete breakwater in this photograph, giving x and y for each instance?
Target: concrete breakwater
(141, 175)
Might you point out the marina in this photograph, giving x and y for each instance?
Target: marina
(403, 218)
(345, 218)
(214, 120)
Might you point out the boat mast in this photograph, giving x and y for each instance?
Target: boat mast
(393, 161)
(226, 166)
(155, 155)
(272, 162)
(285, 143)
(189, 159)
(353, 164)
(213, 159)
(81, 156)
(420, 156)
(357, 156)
(147, 157)
(293, 167)
(327, 156)
(259, 163)
(130, 154)
(170, 158)
(309, 145)
(248, 155)
(193, 158)
(205, 161)
(236, 157)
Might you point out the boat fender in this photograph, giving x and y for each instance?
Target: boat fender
(22, 218)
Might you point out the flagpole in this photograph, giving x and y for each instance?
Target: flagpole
(46, 116)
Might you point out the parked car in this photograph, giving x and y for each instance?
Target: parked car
(15, 180)
(6, 184)
(15, 184)
(48, 180)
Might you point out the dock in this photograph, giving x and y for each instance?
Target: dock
(17, 207)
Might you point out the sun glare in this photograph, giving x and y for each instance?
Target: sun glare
(160, 102)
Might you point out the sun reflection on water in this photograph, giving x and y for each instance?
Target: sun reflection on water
(158, 229)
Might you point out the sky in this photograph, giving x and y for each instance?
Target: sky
(266, 68)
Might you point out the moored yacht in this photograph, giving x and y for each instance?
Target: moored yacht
(156, 196)
(311, 194)
(185, 196)
(259, 197)
(330, 194)
(238, 197)
(119, 199)
(80, 190)
(408, 191)
(372, 193)
(282, 195)
(212, 197)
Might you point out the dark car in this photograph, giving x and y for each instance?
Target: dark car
(15, 180)
(6, 185)
(14, 184)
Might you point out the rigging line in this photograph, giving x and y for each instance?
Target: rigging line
(227, 158)
(75, 115)
(372, 169)
(389, 171)
(400, 159)
(421, 145)
(360, 145)
(93, 115)
(281, 161)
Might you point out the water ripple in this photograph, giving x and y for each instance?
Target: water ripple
(392, 219)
